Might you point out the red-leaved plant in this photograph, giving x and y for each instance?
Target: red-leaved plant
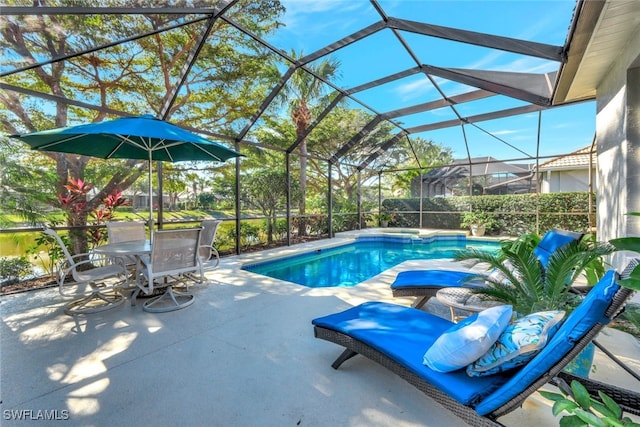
(75, 203)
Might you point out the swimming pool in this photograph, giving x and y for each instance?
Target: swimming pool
(350, 264)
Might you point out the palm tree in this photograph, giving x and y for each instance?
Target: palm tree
(303, 91)
(519, 279)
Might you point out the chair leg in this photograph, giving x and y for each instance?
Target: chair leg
(420, 301)
(177, 300)
(94, 303)
(346, 355)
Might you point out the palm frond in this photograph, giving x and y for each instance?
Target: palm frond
(477, 256)
(568, 263)
(526, 284)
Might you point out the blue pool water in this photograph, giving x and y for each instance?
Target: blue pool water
(353, 263)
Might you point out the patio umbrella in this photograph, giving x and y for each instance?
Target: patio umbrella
(143, 137)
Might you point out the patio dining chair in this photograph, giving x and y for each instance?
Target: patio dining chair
(104, 281)
(174, 260)
(208, 237)
(126, 231)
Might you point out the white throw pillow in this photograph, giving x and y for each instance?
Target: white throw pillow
(468, 340)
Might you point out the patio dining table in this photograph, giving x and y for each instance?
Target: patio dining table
(132, 248)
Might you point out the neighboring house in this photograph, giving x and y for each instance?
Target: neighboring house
(140, 201)
(572, 172)
(490, 176)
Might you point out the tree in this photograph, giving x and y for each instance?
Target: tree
(174, 183)
(303, 91)
(196, 186)
(267, 190)
(428, 154)
(333, 133)
(134, 77)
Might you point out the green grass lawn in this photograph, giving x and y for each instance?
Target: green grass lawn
(17, 244)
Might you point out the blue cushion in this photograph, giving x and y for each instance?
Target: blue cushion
(403, 334)
(551, 241)
(444, 278)
(578, 323)
(468, 340)
(518, 343)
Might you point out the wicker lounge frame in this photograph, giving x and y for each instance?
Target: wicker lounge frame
(628, 400)
(425, 284)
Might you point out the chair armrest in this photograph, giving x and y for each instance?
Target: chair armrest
(93, 256)
(214, 253)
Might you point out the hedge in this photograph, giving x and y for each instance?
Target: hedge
(515, 213)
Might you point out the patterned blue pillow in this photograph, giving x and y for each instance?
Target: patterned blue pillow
(518, 343)
(466, 341)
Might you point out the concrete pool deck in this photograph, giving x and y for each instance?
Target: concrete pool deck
(242, 355)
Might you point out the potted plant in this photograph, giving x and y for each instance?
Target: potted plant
(383, 218)
(520, 280)
(525, 284)
(478, 222)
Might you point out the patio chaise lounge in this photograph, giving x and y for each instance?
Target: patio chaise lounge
(424, 284)
(397, 337)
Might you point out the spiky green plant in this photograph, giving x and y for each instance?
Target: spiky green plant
(525, 284)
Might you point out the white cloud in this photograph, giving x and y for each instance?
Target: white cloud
(305, 16)
(414, 89)
(505, 132)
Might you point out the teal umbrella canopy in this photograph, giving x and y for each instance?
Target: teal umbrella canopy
(142, 137)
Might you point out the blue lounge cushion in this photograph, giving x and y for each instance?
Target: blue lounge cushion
(402, 334)
(577, 324)
(518, 343)
(551, 241)
(468, 340)
(448, 278)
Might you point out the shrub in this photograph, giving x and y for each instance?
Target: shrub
(515, 214)
(13, 269)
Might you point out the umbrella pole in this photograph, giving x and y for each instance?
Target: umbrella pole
(150, 197)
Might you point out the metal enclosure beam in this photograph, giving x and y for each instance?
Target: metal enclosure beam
(523, 47)
(477, 118)
(384, 147)
(345, 41)
(495, 87)
(193, 56)
(356, 138)
(440, 103)
(74, 10)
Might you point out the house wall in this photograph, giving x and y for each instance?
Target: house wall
(564, 181)
(618, 140)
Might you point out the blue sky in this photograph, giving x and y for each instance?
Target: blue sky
(312, 24)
